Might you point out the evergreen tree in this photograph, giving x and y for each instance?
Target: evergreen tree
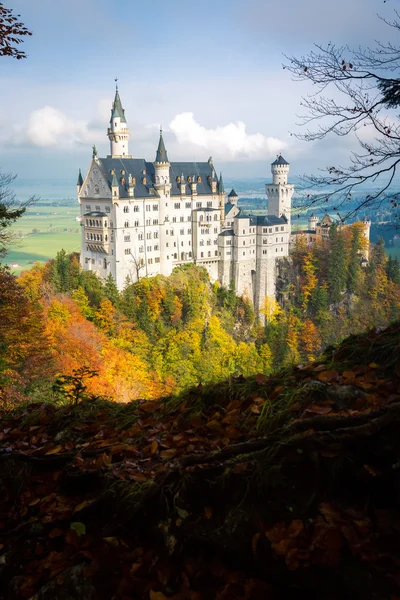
(60, 272)
(354, 269)
(111, 291)
(393, 269)
(337, 275)
(378, 255)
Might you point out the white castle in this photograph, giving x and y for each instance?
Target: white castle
(140, 219)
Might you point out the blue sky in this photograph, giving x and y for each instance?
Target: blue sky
(210, 73)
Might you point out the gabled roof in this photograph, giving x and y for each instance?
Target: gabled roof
(161, 156)
(227, 232)
(117, 110)
(232, 194)
(280, 161)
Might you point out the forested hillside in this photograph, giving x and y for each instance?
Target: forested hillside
(163, 335)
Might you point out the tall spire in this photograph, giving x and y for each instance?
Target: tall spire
(80, 179)
(161, 156)
(221, 184)
(117, 110)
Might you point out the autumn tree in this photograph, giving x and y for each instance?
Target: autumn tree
(12, 32)
(356, 92)
(337, 265)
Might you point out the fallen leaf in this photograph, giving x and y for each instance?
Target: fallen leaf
(56, 532)
(208, 512)
(55, 450)
(169, 453)
(78, 527)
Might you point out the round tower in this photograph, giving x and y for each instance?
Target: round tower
(279, 192)
(312, 222)
(118, 132)
(280, 171)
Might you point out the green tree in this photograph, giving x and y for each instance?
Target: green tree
(354, 268)
(60, 272)
(111, 291)
(10, 209)
(337, 275)
(393, 270)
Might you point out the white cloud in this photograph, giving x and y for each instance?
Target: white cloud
(49, 127)
(226, 142)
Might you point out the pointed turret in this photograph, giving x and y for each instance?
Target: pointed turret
(114, 187)
(117, 110)
(80, 179)
(161, 166)
(161, 156)
(118, 132)
(221, 185)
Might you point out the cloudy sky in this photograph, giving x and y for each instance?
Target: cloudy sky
(209, 72)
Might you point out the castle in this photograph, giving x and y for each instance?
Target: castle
(140, 219)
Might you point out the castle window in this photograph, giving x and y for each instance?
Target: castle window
(209, 253)
(175, 256)
(106, 238)
(190, 255)
(172, 232)
(209, 204)
(144, 172)
(282, 229)
(198, 179)
(87, 206)
(167, 232)
(135, 209)
(189, 243)
(126, 224)
(244, 231)
(202, 254)
(174, 219)
(189, 231)
(126, 209)
(112, 171)
(123, 180)
(128, 251)
(198, 204)
(105, 223)
(178, 179)
(148, 207)
(155, 206)
(188, 204)
(136, 223)
(276, 228)
(122, 171)
(148, 248)
(281, 249)
(182, 219)
(148, 235)
(244, 243)
(148, 221)
(208, 242)
(270, 230)
(150, 261)
(189, 218)
(156, 234)
(265, 230)
(216, 253)
(157, 259)
(174, 244)
(182, 231)
(167, 245)
(140, 236)
(141, 249)
(166, 219)
(111, 224)
(105, 263)
(264, 252)
(276, 239)
(244, 253)
(127, 238)
(156, 247)
(215, 217)
(282, 239)
(177, 205)
(276, 249)
(202, 243)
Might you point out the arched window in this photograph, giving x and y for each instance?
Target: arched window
(202, 254)
(215, 217)
(201, 218)
(126, 224)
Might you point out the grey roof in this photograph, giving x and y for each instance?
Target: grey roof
(232, 194)
(80, 179)
(95, 213)
(117, 110)
(221, 186)
(280, 161)
(228, 207)
(265, 220)
(161, 156)
(141, 169)
(226, 232)
(205, 209)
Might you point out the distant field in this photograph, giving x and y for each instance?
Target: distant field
(44, 230)
(393, 252)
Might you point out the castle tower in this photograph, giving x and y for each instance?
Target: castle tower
(280, 192)
(312, 222)
(162, 185)
(118, 132)
(222, 198)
